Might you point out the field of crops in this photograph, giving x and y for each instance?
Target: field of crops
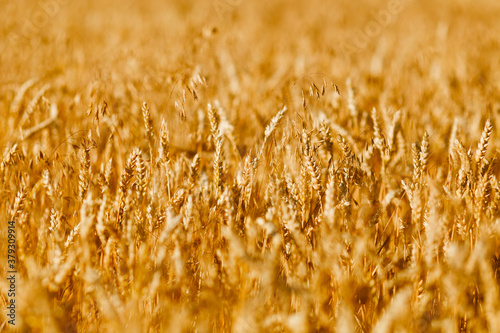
(250, 166)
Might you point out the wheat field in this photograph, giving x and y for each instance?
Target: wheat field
(250, 166)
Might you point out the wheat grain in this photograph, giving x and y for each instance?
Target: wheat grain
(265, 200)
(483, 143)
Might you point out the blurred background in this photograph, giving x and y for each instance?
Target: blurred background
(261, 51)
